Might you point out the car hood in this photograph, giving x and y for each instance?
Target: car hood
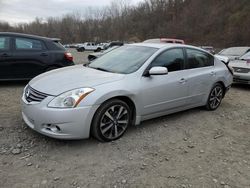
(64, 79)
(239, 63)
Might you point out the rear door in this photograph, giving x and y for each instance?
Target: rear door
(201, 75)
(30, 57)
(5, 57)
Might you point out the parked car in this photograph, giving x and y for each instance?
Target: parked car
(89, 46)
(95, 55)
(23, 57)
(241, 69)
(224, 59)
(234, 52)
(124, 87)
(113, 43)
(165, 40)
(210, 49)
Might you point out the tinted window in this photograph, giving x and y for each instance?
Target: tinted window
(197, 59)
(28, 44)
(58, 45)
(172, 59)
(4, 43)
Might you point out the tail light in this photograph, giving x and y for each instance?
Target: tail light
(68, 56)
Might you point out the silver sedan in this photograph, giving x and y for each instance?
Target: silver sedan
(241, 69)
(131, 84)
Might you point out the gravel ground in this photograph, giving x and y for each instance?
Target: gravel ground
(195, 148)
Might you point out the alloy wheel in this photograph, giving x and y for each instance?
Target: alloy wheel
(216, 97)
(114, 122)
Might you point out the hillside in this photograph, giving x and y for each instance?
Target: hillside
(220, 23)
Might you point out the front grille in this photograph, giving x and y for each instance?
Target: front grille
(32, 95)
(241, 70)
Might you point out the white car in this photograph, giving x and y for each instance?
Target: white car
(224, 59)
(233, 52)
(124, 87)
(90, 46)
(241, 68)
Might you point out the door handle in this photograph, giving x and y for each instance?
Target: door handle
(5, 55)
(183, 80)
(44, 54)
(212, 73)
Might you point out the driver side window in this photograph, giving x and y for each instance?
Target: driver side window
(172, 59)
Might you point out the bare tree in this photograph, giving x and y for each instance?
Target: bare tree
(199, 22)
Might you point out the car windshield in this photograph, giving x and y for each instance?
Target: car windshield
(239, 51)
(123, 60)
(246, 56)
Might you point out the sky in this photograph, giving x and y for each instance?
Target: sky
(19, 11)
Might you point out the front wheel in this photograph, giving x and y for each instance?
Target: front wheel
(111, 120)
(98, 50)
(215, 97)
(81, 49)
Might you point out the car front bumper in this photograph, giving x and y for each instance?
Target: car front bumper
(73, 123)
(243, 78)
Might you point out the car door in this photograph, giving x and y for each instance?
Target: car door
(165, 92)
(5, 57)
(201, 75)
(30, 56)
(88, 46)
(93, 46)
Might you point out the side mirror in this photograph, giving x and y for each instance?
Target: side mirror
(158, 71)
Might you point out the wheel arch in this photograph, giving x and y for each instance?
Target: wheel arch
(224, 86)
(128, 100)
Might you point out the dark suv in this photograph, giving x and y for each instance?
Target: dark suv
(23, 57)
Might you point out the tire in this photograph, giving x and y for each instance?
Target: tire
(98, 50)
(111, 120)
(91, 58)
(215, 97)
(81, 49)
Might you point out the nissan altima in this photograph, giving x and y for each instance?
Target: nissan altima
(130, 84)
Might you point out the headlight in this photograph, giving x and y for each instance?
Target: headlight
(70, 99)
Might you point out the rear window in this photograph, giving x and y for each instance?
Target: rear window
(198, 59)
(4, 43)
(28, 44)
(59, 45)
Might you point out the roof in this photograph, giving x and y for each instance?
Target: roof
(163, 45)
(28, 36)
(157, 45)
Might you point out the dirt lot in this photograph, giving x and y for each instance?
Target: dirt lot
(195, 148)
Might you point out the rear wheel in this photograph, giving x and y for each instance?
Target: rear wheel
(215, 97)
(111, 120)
(98, 49)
